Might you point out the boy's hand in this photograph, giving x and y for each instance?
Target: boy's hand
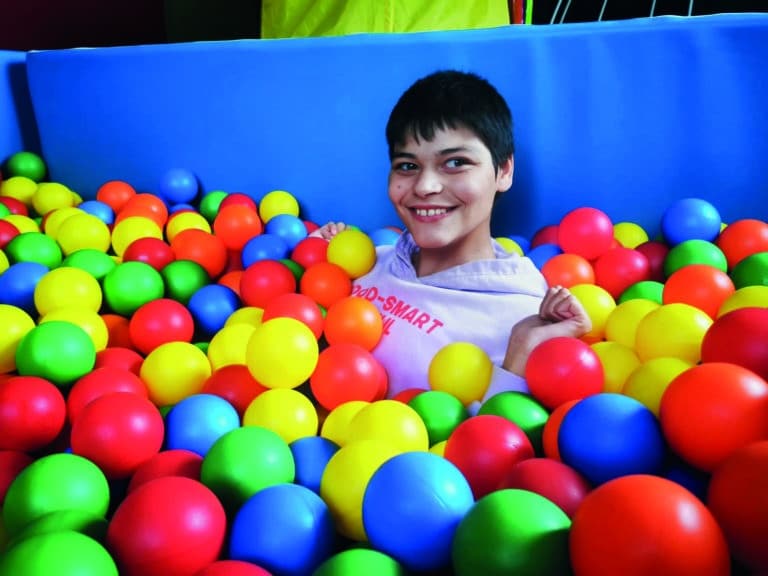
(329, 230)
(560, 314)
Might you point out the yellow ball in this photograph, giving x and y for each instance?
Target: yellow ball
(89, 320)
(56, 218)
(22, 223)
(83, 231)
(345, 479)
(621, 325)
(336, 424)
(649, 380)
(439, 448)
(229, 345)
(277, 202)
(246, 315)
(390, 422)
(65, 287)
(185, 221)
(50, 196)
(4, 264)
(461, 369)
(629, 234)
(288, 413)
(675, 330)
(19, 187)
(173, 371)
(15, 324)
(618, 361)
(131, 229)
(598, 304)
(745, 297)
(509, 245)
(353, 250)
(282, 353)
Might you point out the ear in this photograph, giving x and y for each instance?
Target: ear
(505, 174)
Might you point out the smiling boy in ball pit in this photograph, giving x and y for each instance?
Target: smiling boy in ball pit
(446, 279)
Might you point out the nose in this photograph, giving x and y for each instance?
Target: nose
(427, 183)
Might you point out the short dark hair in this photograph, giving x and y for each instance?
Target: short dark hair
(453, 99)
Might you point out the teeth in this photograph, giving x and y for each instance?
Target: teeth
(430, 211)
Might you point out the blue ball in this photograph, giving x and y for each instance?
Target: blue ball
(101, 210)
(608, 435)
(264, 246)
(197, 421)
(540, 254)
(178, 186)
(181, 207)
(690, 219)
(412, 506)
(311, 454)
(384, 236)
(286, 529)
(18, 283)
(211, 306)
(288, 227)
(522, 241)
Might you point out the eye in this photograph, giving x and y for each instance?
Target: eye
(456, 162)
(404, 166)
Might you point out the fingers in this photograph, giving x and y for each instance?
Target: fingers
(559, 304)
(329, 230)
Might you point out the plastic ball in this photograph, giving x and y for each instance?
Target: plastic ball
(751, 271)
(360, 560)
(173, 371)
(287, 412)
(83, 231)
(618, 360)
(390, 423)
(523, 410)
(277, 202)
(311, 455)
(26, 164)
(621, 324)
(182, 463)
(412, 506)
(485, 448)
(160, 321)
(461, 369)
(544, 235)
(133, 228)
(265, 246)
(656, 252)
(32, 413)
(229, 345)
(310, 250)
(743, 238)
(55, 482)
(619, 268)
(115, 194)
(125, 358)
(648, 382)
(598, 304)
(17, 285)
(297, 306)
(245, 461)
(543, 253)
(99, 382)
(129, 285)
(629, 234)
(326, 283)
(346, 372)
(441, 413)
(99, 209)
(384, 236)
(96, 263)
(264, 280)
(118, 331)
(585, 231)
(567, 270)
(713, 409)
(208, 250)
(91, 322)
(183, 278)
(509, 245)
(354, 320)
(64, 287)
(50, 196)
(563, 369)
(287, 227)
(172, 525)
(739, 337)
(353, 251)
(688, 219)
(197, 421)
(736, 498)
(675, 330)
(144, 205)
(153, 251)
(34, 247)
(747, 297)
(286, 528)
(236, 224)
(178, 185)
(694, 252)
(644, 524)
(699, 285)
(16, 324)
(336, 426)
(12, 462)
(51, 222)
(493, 539)
(210, 307)
(239, 199)
(58, 351)
(282, 353)
(235, 384)
(645, 290)
(610, 435)
(72, 553)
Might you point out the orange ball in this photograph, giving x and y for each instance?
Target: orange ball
(202, 247)
(115, 194)
(743, 238)
(354, 320)
(567, 270)
(118, 329)
(700, 285)
(326, 283)
(235, 224)
(147, 205)
(552, 429)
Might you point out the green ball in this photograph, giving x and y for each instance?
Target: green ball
(512, 532)
(34, 247)
(4, 210)
(357, 561)
(96, 263)
(54, 483)
(296, 268)
(522, 409)
(129, 285)
(210, 203)
(59, 351)
(183, 278)
(82, 521)
(63, 553)
(27, 164)
(644, 290)
(694, 252)
(244, 461)
(440, 411)
(751, 271)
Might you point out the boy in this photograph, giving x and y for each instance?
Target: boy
(446, 279)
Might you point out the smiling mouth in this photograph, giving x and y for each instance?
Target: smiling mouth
(428, 212)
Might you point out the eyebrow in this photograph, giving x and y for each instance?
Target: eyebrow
(443, 152)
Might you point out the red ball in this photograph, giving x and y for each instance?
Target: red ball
(235, 224)
(405, 396)
(153, 251)
(545, 235)
(568, 270)
(233, 568)
(743, 238)
(235, 384)
(118, 432)
(100, 381)
(159, 322)
(239, 199)
(183, 463)
(309, 251)
(619, 268)
(326, 283)
(297, 306)
(656, 253)
(738, 500)
(585, 231)
(7, 233)
(115, 193)
(347, 372)
(700, 285)
(486, 448)
(713, 409)
(563, 369)
(171, 525)
(202, 247)
(265, 280)
(739, 337)
(32, 413)
(11, 463)
(641, 524)
(15, 205)
(551, 430)
(354, 320)
(554, 480)
(119, 357)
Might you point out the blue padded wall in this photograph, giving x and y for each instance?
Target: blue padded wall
(17, 123)
(623, 115)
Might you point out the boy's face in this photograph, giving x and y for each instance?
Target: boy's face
(443, 191)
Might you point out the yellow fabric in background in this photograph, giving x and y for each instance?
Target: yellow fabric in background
(303, 18)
